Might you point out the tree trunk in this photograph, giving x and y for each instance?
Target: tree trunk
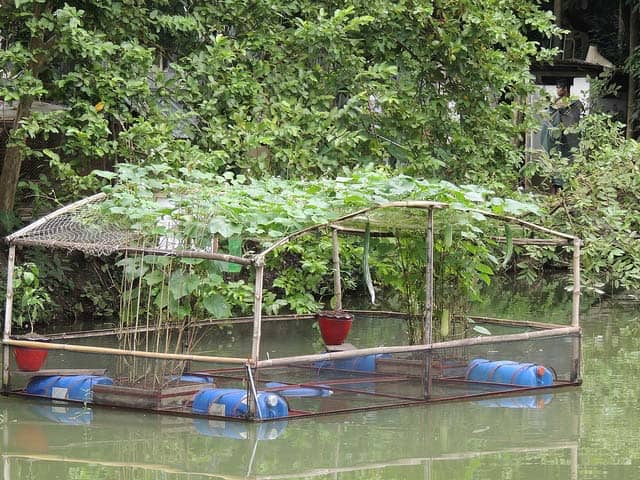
(12, 162)
(13, 154)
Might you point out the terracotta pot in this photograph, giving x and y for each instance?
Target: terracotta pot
(334, 326)
(30, 359)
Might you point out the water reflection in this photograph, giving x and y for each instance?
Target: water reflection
(69, 442)
(590, 433)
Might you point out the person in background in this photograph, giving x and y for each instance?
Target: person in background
(564, 113)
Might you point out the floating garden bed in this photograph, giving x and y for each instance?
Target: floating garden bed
(172, 286)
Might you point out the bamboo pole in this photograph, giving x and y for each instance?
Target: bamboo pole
(514, 323)
(257, 311)
(428, 321)
(533, 241)
(576, 367)
(54, 214)
(361, 231)
(337, 287)
(524, 223)
(467, 342)
(190, 254)
(123, 353)
(8, 315)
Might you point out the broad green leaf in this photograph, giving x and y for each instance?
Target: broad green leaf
(217, 306)
(154, 277)
(182, 284)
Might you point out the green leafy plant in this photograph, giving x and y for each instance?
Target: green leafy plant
(32, 298)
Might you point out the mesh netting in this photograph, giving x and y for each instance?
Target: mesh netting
(81, 226)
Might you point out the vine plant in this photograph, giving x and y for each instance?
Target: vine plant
(201, 208)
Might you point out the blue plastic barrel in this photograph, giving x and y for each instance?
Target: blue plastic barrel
(66, 387)
(509, 372)
(366, 363)
(232, 402)
(41, 385)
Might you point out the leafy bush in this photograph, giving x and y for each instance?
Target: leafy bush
(599, 203)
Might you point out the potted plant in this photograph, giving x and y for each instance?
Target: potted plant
(334, 326)
(29, 310)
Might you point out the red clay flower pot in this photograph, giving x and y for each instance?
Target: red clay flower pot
(30, 359)
(334, 326)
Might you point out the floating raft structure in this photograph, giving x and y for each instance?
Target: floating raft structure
(450, 364)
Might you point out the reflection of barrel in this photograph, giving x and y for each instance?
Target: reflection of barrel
(509, 372)
(66, 387)
(525, 401)
(232, 402)
(239, 430)
(366, 363)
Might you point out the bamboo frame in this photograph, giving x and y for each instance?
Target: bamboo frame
(257, 261)
(8, 315)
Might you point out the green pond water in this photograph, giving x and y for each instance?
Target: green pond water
(587, 432)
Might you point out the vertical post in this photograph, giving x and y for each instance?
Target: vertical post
(7, 317)
(428, 320)
(257, 310)
(575, 312)
(337, 287)
(252, 397)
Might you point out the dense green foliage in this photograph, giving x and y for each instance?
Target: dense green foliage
(291, 89)
(198, 96)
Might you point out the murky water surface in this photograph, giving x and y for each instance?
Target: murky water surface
(589, 432)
